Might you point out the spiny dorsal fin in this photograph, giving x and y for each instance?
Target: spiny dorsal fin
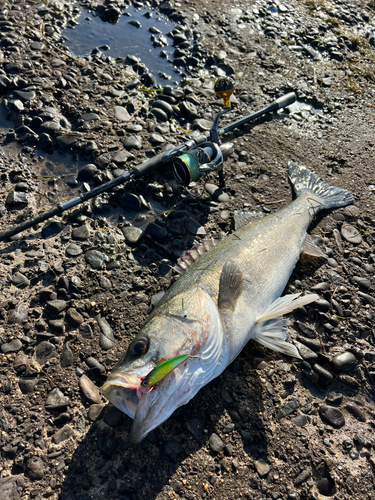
(190, 256)
(230, 288)
(243, 217)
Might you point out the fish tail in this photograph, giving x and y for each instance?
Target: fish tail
(324, 196)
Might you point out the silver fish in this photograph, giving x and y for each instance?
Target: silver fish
(230, 295)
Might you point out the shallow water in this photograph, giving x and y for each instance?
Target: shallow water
(122, 39)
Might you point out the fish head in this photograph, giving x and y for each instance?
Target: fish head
(190, 324)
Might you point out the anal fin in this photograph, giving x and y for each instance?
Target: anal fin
(230, 288)
(311, 250)
(273, 334)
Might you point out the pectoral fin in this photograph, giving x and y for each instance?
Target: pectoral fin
(311, 250)
(231, 283)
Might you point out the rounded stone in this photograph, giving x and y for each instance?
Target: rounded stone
(332, 416)
(216, 444)
(73, 317)
(89, 390)
(96, 259)
(35, 468)
(344, 361)
(216, 193)
(13, 346)
(156, 231)
(73, 250)
(351, 234)
(132, 234)
(262, 467)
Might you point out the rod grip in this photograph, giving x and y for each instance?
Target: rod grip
(286, 100)
(148, 166)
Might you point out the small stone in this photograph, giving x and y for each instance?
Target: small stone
(106, 339)
(56, 400)
(96, 259)
(88, 117)
(133, 142)
(20, 280)
(122, 157)
(35, 468)
(332, 416)
(351, 234)
(300, 421)
(262, 467)
(113, 416)
(344, 361)
(196, 427)
(73, 317)
(95, 411)
(132, 234)
(325, 377)
(27, 384)
(216, 444)
(156, 231)
(156, 139)
(193, 227)
(355, 411)
(306, 353)
(121, 113)
(89, 390)
(13, 346)
(288, 408)
(216, 193)
(304, 476)
(81, 233)
(57, 325)
(44, 351)
(55, 307)
(73, 250)
(16, 198)
(63, 434)
(67, 357)
(334, 398)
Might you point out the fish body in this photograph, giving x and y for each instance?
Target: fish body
(230, 295)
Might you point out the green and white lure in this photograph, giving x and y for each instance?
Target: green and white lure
(163, 369)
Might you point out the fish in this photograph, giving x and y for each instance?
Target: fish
(229, 295)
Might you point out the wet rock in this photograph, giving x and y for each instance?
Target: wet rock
(87, 172)
(55, 307)
(35, 468)
(20, 280)
(73, 317)
(44, 351)
(262, 467)
(133, 142)
(106, 339)
(63, 434)
(156, 231)
(57, 325)
(11, 487)
(156, 139)
(96, 259)
(73, 250)
(216, 444)
(306, 353)
(89, 390)
(56, 400)
(132, 234)
(159, 114)
(351, 234)
(113, 416)
(332, 416)
(67, 357)
(344, 361)
(355, 411)
(325, 377)
(13, 346)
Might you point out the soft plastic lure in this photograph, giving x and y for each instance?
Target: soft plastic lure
(163, 369)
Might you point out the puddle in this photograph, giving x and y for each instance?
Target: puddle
(122, 39)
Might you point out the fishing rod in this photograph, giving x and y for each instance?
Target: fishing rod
(189, 161)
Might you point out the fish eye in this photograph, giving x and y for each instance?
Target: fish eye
(139, 346)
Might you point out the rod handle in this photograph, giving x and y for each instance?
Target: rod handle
(286, 100)
(147, 166)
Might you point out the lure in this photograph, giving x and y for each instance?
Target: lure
(163, 369)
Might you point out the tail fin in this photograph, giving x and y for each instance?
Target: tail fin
(324, 196)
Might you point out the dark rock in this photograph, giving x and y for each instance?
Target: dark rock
(56, 400)
(63, 434)
(304, 476)
(96, 259)
(35, 468)
(332, 416)
(344, 361)
(107, 445)
(156, 231)
(355, 411)
(172, 449)
(95, 411)
(11, 487)
(196, 427)
(13, 346)
(288, 408)
(44, 351)
(73, 250)
(216, 444)
(16, 198)
(73, 317)
(113, 416)
(57, 325)
(132, 234)
(67, 357)
(19, 280)
(81, 233)
(55, 307)
(89, 390)
(27, 384)
(106, 340)
(133, 142)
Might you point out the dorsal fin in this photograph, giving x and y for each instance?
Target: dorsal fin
(244, 217)
(190, 256)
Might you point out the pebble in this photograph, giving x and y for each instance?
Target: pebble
(156, 231)
(332, 416)
(300, 421)
(334, 398)
(306, 353)
(121, 113)
(289, 407)
(96, 259)
(73, 317)
(57, 325)
(351, 234)
(94, 365)
(262, 467)
(193, 227)
(325, 377)
(67, 357)
(344, 361)
(132, 234)
(301, 478)
(56, 400)
(106, 338)
(133, 142)
(216, 444)
(20, 280)
(89, 390)
(13, 346)
(73, 250)
(355, 411)
(44, 351)
(216, 193)
(16, 198)
(35, 468)
(55, 307)
(95, 411)
(81, 233)
(63, 434)
(27, 384)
